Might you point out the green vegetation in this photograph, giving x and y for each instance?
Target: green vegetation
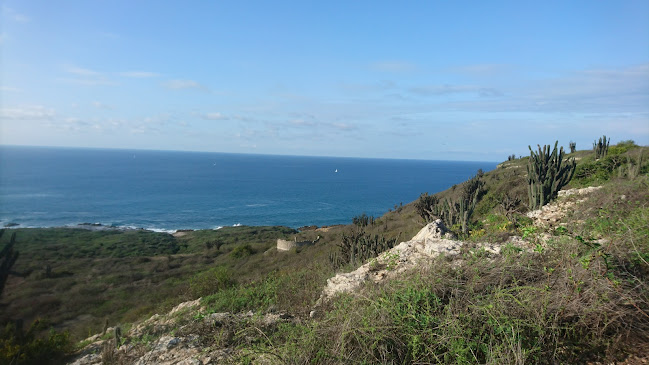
(601, 147)
(77, 278)
(547, 173)
(363, 220)
(20, 348)
(576, 293)
(426, 207)
(8, 257)
(456, 211)
(624, 161)
(358, 247)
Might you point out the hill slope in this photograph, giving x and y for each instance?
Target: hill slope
(567, 283)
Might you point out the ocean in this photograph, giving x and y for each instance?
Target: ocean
(171, 190)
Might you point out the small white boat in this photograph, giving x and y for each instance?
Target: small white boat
(336, 170)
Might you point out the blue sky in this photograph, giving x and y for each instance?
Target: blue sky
(460, 80)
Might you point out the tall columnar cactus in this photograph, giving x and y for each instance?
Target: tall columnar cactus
(601, 147)
(427, 208)
(573, 146)
(358, 247)
(7, 258)
(547, 173)
(471, 191)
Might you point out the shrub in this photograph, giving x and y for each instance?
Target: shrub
(18, 348)
(242, 251)
(210, 281)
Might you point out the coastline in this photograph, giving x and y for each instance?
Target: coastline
(99, 227)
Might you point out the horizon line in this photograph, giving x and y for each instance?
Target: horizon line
(239, 153)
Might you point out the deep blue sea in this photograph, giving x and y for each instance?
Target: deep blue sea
(170, 190)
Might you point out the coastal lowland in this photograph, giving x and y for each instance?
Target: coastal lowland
(544, 259)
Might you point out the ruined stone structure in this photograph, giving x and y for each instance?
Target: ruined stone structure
(284, 245)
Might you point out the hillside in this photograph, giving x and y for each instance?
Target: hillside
(566, 284)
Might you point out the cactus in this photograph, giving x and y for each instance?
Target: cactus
(547, 173)
(508, 203)
(8, 257)
(118, 336)
(358, 247)
(427, 207)
(573, 146)
(471, 192)
(601, 147)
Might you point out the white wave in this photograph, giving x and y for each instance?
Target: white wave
(161, 230)
(236, 225)
(217, 228)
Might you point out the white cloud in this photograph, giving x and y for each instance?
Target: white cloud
(214, 116)
(393, 66)
(109, 35)
(368, 87)
(481, 69)
(31, 112)
(102, 81)
(80, 71)
(454, 89)
(100, 105)
(139, 74)
(86, 76)
(302, 123)
(180, 84)
(343, 126)
(16, 16)
(10, 89)
(583, 91)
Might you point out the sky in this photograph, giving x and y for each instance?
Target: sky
(434, 80)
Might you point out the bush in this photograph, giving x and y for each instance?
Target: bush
(242, 251)
(211, 281)
(17, 348)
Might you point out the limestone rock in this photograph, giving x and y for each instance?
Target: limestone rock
(551, 214)
(430, 242)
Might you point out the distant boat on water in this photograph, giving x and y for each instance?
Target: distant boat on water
(336, 170)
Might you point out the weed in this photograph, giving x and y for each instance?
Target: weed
(528, 231)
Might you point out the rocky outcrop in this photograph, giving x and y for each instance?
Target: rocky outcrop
(551, 214)
(431, 241)
(185, 335)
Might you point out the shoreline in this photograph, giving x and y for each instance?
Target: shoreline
(98, 227)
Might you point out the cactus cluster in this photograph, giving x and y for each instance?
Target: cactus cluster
(453, 212)
(601, 147)
(511, 157)
(632, 167)
(358, 247)
(547, 173)
(509, 204)
(363, 220)
(573, 146)
(8, 257)
(426, 207)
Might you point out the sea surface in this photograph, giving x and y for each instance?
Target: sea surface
(170, 190)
